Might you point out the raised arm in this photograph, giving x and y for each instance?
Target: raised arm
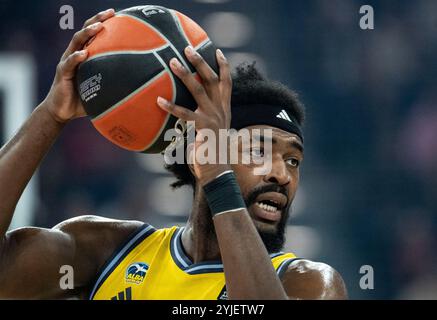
(34, 251)
(21, 156)
(247, 266)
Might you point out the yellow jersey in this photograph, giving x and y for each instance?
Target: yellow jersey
(153, 265)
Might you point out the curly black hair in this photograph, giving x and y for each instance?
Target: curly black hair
(249, 86)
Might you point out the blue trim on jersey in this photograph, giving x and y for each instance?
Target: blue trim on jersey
(213, 268)
(184, 262)
(277, 254)
(180, 254)
(136, 238)
(284, 265)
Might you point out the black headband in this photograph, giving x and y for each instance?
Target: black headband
(275, 116)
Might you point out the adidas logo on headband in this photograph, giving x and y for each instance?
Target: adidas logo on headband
(283, 115)
(264, 114)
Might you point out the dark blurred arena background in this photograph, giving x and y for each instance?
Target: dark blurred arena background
(368, 193)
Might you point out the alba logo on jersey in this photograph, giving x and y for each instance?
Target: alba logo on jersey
(136, 272)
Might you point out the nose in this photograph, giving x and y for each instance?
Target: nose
(279, 173)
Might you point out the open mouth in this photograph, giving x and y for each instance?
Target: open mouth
(269, 205)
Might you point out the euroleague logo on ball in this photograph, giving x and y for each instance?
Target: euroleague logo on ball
(151, 12)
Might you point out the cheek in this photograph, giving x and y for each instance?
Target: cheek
(296, 178)
(246, 177)
(293, 186)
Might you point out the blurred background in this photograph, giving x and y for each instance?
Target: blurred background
(368, 193)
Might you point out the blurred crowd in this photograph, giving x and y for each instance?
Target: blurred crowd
(369, 179)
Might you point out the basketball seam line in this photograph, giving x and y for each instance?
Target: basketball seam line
(178, 22)
(166, 70)
(181, 59)
(174, 92)
(126, 98)
(126, 52)
(181, 29)
(179, 25)
(200, 45)
(157, 56)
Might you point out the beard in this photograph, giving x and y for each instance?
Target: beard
(273, 238)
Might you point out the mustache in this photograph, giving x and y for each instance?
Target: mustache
(250, 199)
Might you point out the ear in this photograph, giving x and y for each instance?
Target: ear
(190, 158)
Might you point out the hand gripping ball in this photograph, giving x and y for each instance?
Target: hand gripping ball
(128, 68)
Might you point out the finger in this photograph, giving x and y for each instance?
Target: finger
(67, 67)
(209, 78)
(81, 37)
(194, 86)
(225, 76)
(177, 111)
(100, 17)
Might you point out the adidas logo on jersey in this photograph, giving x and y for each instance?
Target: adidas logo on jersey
(123, 295)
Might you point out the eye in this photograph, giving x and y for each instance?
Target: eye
(293, 162)
(257, 152)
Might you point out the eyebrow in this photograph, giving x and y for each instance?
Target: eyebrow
(294, 143)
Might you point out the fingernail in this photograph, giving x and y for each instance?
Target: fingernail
(175, 62)
(104, 12)
(95, 25)
(190, 51)
(163, 102)
(221, 55)
(82, 52)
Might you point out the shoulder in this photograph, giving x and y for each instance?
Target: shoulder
(83, 224)
(97, 237)
(306, 279)
(84, 243)
(86, 228)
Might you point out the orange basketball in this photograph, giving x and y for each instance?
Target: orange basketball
(128, 68)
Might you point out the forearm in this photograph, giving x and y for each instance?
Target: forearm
(248, 269)
(20, 157)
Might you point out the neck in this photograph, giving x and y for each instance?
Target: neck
(198, 238)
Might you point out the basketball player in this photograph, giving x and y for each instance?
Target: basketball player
(230, 247)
